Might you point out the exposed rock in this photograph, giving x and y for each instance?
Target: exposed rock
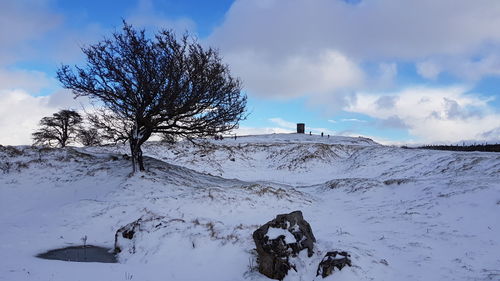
(331, 261)
(278, 240)
(396, 181)
(384, 262)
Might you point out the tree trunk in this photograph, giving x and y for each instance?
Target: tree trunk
(64, 137)
(137, 159)
(136, 139)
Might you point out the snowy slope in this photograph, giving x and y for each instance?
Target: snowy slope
(282, 158)
(402, 214)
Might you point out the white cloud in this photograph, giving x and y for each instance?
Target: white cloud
(290, 48)
(372, 29)
(428, 69)
(31, 81)
(20, 113)
(245, 131)
(20, 22)
(434, 114)
(468, 68)
(352, 120)
(146, 15)
(347, 120)
(33, 31)
(474, 69)
(283, 123)
(387, 74)
(392, 122)
(297, 74)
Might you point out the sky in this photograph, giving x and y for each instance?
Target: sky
(399, 72)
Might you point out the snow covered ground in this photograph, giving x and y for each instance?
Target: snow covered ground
(402, 214)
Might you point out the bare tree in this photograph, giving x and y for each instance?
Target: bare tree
(161, 85)
(88, 136)
(58, 129)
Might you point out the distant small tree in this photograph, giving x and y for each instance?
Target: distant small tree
(88, 136)
(58, 129)
(168, 138)
(156, 86)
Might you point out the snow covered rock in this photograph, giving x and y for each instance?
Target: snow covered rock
(129, 237)
(331, 261)
(124, 237)
(278, 240)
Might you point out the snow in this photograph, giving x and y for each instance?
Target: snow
(402, 214)
(273, 233)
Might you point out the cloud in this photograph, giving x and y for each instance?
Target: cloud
(285, 49)
(428, 69)
(387, 73)
(245, 131)
(352, 120)
(28, 80)
(493, 134)
(145, 15)
(34, 31)
(20, 113)
(369, 30)
(470, 69)
(393, 122)
(347, 120)
(386, 102)
(283, 123)
(296, 74)
(433, 114)
(22, 21)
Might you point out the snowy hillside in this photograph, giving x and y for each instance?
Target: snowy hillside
(402, 214)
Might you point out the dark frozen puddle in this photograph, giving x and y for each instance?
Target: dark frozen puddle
(86, 253)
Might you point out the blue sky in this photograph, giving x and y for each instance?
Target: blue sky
(398, 72)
